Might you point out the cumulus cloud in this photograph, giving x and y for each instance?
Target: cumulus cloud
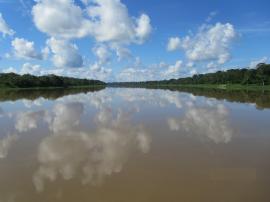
(174, 43)
(143, 28)
(121, 52)
(159, 71)
(98, 71)
(106, 21)
(4, 28)
(115, 25)
(210, 43)
(25, 49)
(65, 54)
(102, 52)
(29, 68)
(254, 64)
(60, 18)
(173, 71)
(94, 71)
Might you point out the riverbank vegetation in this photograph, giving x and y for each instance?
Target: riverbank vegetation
(233, 79)
(12, 80)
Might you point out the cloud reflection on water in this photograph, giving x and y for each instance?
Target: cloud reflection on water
(94, 154)
(91, 136)
(6, 143)
(209, 121)
(26, 121)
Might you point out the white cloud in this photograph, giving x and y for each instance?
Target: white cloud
(211, 43)
(4, 28)
(65, 54)
(25, 49)
(60, 18)
(114, 24)
(143, 29)
(159, 71)
(174, 43)
(102, 52)
(27, 68)
(97, 71)
(121, 52)
(105, 20)
(254, 64)
(136, 74)
(32, 69)
(173, 71)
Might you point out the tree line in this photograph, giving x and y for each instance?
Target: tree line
(12, 80)
(258, 76)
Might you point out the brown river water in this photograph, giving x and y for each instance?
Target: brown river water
(134, 145)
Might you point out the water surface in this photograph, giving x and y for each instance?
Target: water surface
(134, 145)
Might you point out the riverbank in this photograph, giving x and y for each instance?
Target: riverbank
(199, 86)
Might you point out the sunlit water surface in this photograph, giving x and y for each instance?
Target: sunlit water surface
(133, 145)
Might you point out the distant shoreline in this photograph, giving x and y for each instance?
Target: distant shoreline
(257, 79)
(153, 86)
(27, 81)
(199, 86)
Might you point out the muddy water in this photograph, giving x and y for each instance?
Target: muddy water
(133, 145)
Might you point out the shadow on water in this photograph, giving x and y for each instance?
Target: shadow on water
(51, 94)
(260, 98)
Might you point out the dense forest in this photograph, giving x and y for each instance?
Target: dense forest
(12, 80)
(258, 76)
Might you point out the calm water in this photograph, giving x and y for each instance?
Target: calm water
(134, 145)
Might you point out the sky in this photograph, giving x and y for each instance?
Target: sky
(128, 40)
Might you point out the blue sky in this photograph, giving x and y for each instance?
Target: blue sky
(132, 40)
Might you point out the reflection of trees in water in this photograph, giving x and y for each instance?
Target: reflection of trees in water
(52, 94)
(260, 98)
(1, 112)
